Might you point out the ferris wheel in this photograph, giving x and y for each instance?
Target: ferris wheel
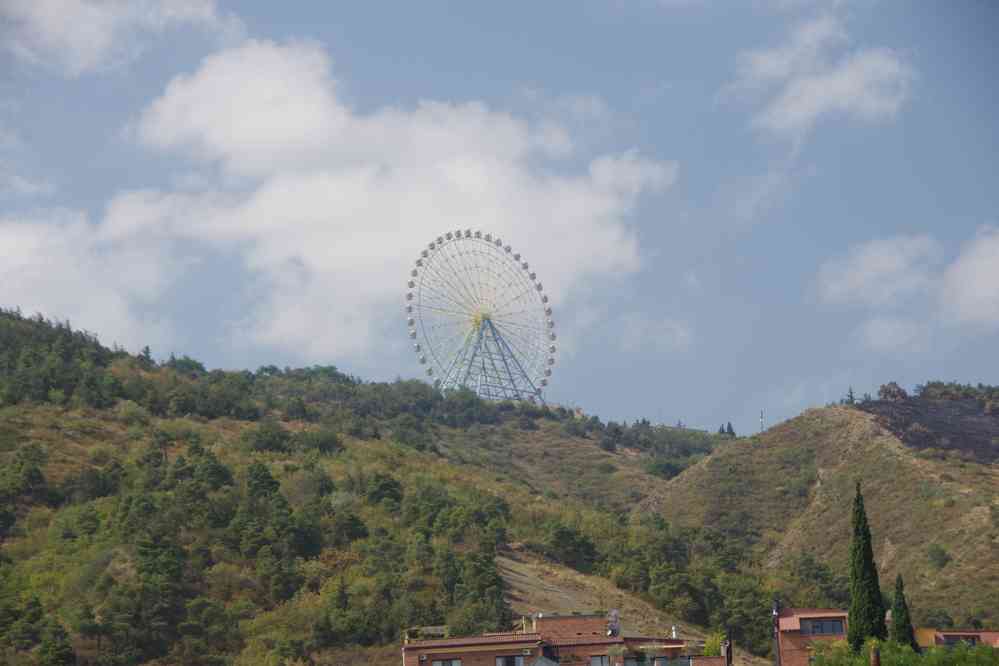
(479, 318)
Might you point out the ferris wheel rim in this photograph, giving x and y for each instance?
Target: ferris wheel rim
(469, 283)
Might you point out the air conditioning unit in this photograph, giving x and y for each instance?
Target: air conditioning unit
(423, 657)
(526, 652)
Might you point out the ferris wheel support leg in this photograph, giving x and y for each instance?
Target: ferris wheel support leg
(534, 390)
(504, 349)
(455, 365)
(472, 356)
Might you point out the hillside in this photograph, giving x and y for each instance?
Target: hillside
(934, 519)
(164, 513)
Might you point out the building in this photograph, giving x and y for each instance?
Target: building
(545, 639)
(929, 637)
(796, 629)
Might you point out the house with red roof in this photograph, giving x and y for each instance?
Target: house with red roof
(797, 629)
(545, 639)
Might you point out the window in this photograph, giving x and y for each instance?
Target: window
(675, 661)
(446, 662)
(630, 661)
(509, 661)
(822, 626)
(951, 641)
(600, 661)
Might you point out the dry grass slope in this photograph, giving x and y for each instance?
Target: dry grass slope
(789, 490)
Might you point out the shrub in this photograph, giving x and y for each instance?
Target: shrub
(324, 441)
(939, 557)
(268, 436)
(132, 414)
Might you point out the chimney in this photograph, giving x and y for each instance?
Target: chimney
(727, 648)
(673, 633)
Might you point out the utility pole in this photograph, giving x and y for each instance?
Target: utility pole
(762, 421)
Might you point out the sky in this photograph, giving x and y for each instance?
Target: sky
(734, 206)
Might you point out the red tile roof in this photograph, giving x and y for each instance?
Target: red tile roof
(586, 640)
(474, 640)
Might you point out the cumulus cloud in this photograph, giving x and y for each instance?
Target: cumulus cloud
(326, 207)
(970, 288)
(80, 36)
(880, 272)
(638, 332)
(815, 74)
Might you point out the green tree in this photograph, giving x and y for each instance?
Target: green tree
(729, 430)
(259, 482)
(26, 630)
(867, 612)
(901, 623)
(56, 650)
(713, 644)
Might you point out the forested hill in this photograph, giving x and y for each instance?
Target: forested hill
(163, 513)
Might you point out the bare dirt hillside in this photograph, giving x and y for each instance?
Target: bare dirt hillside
(538, 585)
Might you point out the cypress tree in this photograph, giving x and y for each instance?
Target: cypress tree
(901, 623)
(867, 611)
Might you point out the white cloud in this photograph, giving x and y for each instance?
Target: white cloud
(332, 205)
(970, 289)
(893, 335)
(58, 264)
(880, 272)
(638, 332)
(79, 36)
(812, 76)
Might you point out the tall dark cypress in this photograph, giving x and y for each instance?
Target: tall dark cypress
(901, 623)
(867, 611)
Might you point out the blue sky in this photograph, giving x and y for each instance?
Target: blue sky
(735, 206)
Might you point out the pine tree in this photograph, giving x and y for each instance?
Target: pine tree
(901, 623)
(729, 430)
(850, 398)
(867, 612)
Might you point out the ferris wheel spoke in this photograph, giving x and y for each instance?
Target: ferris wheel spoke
(455, 275)
(458, 359)
(441, 295)
(446, 272)
(533, 352)
(445, 311)
(468, 273)
(441, 285)
(534, 329)
(515, 298)
(448, 348)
